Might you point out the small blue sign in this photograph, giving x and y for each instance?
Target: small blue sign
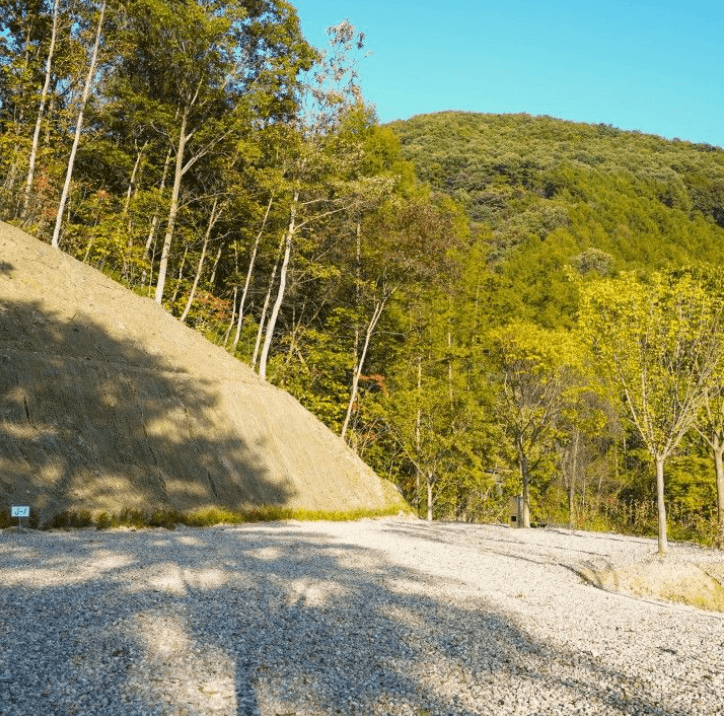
(19, 511)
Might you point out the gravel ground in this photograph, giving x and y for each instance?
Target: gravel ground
(374, 617)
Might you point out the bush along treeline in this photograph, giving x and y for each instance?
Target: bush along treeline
(480, 306)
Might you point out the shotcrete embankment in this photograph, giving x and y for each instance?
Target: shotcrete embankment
(107, 401)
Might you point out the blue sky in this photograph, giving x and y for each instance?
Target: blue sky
(656, 66)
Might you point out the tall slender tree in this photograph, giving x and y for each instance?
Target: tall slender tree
(659, 343)
(41, 110)
(534, 370)
(87, 88)
(202, 74)
(710, 425)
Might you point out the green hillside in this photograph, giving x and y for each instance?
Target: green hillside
(214, 163)
(543, 192)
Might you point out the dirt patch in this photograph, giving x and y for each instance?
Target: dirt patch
(698, 585)
(108, 402)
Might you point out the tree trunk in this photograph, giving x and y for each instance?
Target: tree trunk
(571, 506)
(55, 243)
(719, 466)
(51, 112)
(212, 280)
(126, 208)
(173, 210)
(523, 461)
(233, 316)
(418, 426)
(195, 284)
(212, 220)
(357, 286)
(174, 296)
(282, 287)
(262, 318)
(663, 541)
(154, 220)
(265, 307)
(41, 112)
(252, 259)
(360, 363)
(572, 484)
(449, 367)
(430, 483)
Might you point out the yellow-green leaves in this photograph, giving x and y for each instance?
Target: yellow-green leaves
(659, 342)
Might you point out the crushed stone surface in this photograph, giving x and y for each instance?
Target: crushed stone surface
(378, 617)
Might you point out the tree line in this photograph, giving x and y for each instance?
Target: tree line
(442, 312)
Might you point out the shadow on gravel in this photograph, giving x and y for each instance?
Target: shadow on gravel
(603, 536)
(436, 532)
(240, 621)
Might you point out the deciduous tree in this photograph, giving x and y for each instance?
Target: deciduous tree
(534, 370)
(659, 343)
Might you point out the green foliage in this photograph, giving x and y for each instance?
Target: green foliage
(434, 266)
(538, 376)
(659, 342)
(545, 192)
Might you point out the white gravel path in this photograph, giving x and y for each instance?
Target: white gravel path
(375, 617)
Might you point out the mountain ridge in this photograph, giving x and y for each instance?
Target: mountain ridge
(542, 194)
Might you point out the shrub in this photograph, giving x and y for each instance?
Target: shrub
(168, 519)
(132, 518)
(70, 519)
(105, 521)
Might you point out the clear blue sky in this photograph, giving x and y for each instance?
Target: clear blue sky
(655, 66)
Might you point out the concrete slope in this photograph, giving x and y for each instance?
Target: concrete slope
(107, 401)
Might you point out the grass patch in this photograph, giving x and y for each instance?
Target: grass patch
(350, 516)
(72, 520)
(209, 517)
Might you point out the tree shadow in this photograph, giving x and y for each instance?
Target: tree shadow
(92, 421)
(243, 620)
(437, 533)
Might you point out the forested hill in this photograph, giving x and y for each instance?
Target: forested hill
(543, 191)
(214, 162)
